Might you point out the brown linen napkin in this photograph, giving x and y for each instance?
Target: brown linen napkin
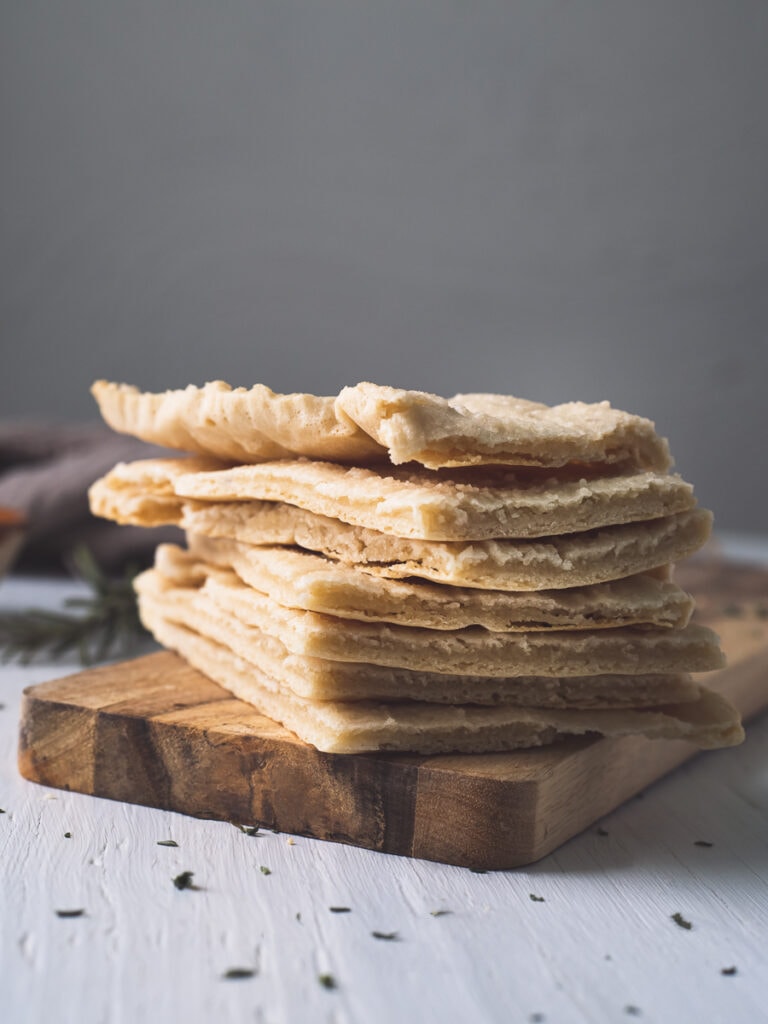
(46, 470)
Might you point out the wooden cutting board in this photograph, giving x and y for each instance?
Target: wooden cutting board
(154, 731)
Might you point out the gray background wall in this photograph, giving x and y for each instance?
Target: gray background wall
(559, 200)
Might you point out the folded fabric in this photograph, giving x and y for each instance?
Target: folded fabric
(45, 472)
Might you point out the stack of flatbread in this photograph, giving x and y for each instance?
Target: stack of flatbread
(390, 570)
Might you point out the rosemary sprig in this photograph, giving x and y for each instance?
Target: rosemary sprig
(105, 621)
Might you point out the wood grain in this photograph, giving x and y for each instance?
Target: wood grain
(154, 731)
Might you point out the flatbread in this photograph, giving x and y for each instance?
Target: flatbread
(347, 728)
(472, 650)
(142, 493)
(417, 504)
(404, 503)
(126, 495)
(324, 679)
(479, 429)
(300, 579)
(369, 423)
(568, 561)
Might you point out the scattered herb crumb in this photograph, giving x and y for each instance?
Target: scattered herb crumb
(327, 981)
(340, 910)
(607, 957)
(298, 916)
(67, 835)
(248, 830)
(184, 880)
(167, 842)
(70, 913)
(478, 871)
(536, 1018)
(387, 936)
(702, 842)
(601, 832)
(440, 913)
(535, 898)
(679, 920)
(265, 870)
(632, 1011)
(729, 971)
(238, 973)
(2, 811)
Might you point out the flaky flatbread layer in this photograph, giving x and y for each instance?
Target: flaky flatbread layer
(369, 423)
(325, 679)
(420, 505)
(709, 721)
(404, 503)
(472, 650)
(568, 561)
(300, 579)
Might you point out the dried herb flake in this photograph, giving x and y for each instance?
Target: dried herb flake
(70, 913)
(728, 971)
(67, 835)
(440, 913)
(387, 936)
(265, 870)
(340, 910)
(601, 832)
(327, 981)
(238, 973)
(184, 880)
(680, 921)
(632, 1011)
(535, 898)
(248, 830)
(167, 842)
(702, 842)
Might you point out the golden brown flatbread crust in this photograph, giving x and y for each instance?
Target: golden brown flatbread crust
(360, 726)
(370, 423)
(300, 579)
(410, 503)
(472, 650)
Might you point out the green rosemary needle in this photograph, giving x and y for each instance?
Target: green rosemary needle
(93, 626)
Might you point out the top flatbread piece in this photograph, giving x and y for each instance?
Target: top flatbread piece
(368, 423)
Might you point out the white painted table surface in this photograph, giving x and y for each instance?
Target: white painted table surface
(601, 944)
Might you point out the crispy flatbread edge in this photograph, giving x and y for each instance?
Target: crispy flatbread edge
(710, 722)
